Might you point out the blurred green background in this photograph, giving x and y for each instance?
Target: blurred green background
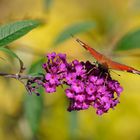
(24, 117)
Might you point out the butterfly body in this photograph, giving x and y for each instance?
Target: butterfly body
(107, 62)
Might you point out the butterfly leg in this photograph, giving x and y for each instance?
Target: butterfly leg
(106, 77)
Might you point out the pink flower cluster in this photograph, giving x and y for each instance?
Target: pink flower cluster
(87, 84)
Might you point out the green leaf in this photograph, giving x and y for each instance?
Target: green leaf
(36, 67)
(8, 51)
(73, 30)
(33, 105)
(73, 125)
(11, 53)
(15, 30)
(129, 41)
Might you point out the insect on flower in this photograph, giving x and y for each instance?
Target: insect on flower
(106, 62)
(88, 85)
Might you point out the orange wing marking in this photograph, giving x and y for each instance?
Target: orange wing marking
(106, 62)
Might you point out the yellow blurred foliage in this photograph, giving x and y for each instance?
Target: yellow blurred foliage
(114, 18)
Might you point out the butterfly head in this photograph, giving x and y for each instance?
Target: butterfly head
(103, 68)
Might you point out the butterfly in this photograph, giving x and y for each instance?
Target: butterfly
(107, 62)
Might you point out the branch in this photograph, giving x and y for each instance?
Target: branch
(18, 76)
(32, 82)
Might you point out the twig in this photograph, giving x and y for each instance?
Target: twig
(18, 76)
(29, 81)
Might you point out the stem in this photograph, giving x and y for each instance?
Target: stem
(29, 81)
(17, 76)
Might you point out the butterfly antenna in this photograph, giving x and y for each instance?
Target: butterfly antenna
(115, 73)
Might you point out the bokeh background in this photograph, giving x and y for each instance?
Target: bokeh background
(24, 117)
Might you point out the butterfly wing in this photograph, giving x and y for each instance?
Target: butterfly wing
(108, 63)
(98, 56)
(118, 66)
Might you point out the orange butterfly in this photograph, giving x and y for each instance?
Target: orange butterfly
(106, 62)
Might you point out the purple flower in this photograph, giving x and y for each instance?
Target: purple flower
(62, 67)
(88, 84)
(80, 70)
(75, 62)
(51, 56)
(91, 98)
(71, 78)
(93, 78)
(78, 86)
(62, 56)
(99, 112)
(80, 97)
(50, 88)
(54, 68)
(118, 89)
(44, 66)
(101, 89)
(100, 81)
(52, 78)
(91, 88)
(85, 106)
(69, 93)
